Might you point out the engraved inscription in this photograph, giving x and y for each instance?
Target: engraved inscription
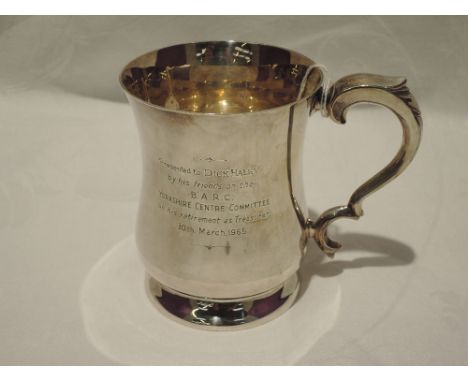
(213, 202)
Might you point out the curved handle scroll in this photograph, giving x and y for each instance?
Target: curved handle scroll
(392, 93)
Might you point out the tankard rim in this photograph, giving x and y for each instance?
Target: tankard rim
(309, 62)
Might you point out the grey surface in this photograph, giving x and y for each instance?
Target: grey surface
(70, 172)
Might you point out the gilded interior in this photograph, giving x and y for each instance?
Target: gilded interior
(221, 77)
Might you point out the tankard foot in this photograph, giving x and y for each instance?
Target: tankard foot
(223, 314)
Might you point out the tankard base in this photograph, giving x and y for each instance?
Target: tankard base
(223, 314)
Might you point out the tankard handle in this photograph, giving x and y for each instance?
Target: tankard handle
(392, 93)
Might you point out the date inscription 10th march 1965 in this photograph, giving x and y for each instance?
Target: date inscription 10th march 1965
(214, 202)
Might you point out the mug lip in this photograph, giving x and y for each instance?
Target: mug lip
(211, 114)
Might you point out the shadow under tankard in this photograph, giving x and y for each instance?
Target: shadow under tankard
(380, 252)
(122, 324)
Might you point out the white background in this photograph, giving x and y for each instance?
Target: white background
(70, 173)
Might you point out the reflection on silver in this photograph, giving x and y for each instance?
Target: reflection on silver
(251, 310)
(230, 226)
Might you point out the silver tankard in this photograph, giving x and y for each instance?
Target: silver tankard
(222, 221)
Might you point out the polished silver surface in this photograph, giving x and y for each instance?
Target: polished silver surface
(251, 310)
(222, 209)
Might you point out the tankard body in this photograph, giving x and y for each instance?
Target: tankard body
(222, 221)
